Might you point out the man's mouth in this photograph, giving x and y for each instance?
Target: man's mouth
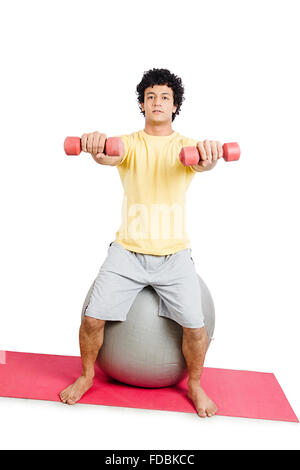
(157, 111)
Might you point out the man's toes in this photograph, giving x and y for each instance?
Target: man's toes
(201, 413)
(73, 398)
(64, 393)
(71, 401)
(211, 411)
(62, 397)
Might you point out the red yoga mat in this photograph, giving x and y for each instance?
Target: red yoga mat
(236, 392)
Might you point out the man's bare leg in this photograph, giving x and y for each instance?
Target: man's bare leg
(194, 347)
(91, 336)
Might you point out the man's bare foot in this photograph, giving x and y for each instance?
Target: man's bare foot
(74, 392)
(203, 404)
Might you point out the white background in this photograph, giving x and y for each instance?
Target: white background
(70, 67)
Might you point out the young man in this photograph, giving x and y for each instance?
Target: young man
(151, 246)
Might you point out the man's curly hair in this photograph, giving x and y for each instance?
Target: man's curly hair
(161, 77)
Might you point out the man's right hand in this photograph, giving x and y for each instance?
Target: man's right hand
(94, 143)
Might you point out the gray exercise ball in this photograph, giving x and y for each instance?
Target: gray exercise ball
(146, 349)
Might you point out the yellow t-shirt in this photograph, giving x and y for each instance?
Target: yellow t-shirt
(155, 184)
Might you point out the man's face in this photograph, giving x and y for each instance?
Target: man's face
(158, 103)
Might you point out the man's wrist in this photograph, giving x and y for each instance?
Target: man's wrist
(204, 168)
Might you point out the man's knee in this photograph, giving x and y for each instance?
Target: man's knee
(91, 324)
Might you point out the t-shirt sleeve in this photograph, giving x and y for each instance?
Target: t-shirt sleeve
(128, 142)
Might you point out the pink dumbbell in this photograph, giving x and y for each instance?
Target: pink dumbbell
(190, 155)
(114, 146)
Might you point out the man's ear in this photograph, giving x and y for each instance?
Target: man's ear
(142, 107)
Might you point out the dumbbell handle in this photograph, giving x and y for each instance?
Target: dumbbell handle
(190, 155)
(114, 146)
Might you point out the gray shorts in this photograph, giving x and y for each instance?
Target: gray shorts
(125, 273)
